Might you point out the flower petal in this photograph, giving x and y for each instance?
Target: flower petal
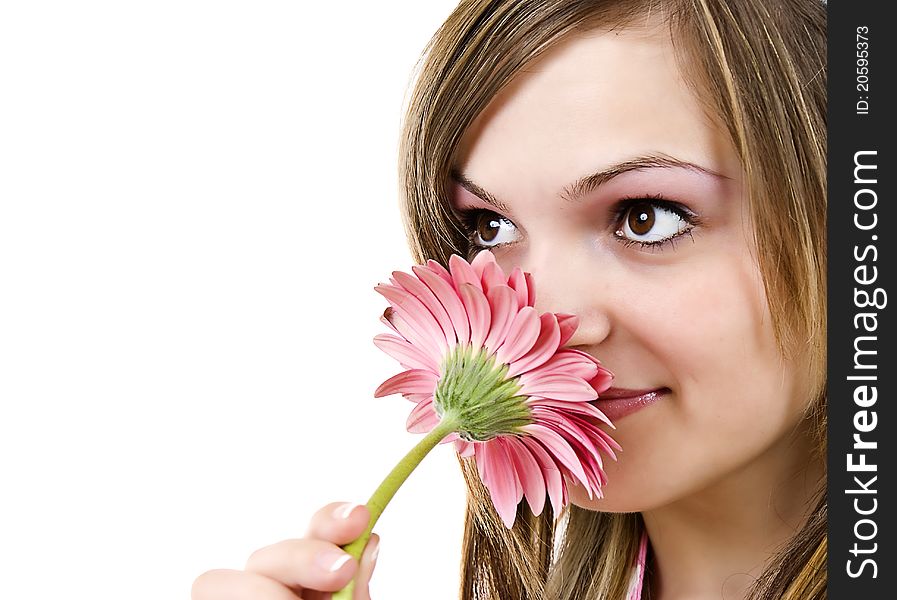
(464, 448)
(544, 348)
(500, 479)
(586, 447)
(569, 361)
(517, 282)
(602, 380)
(492, 276)
(478, 313)
(554, 482)
(449, 299)
(422, 418)
(414, 335)
(570, 430)
(415, 381)
(559, 448)
(434, 267)
(417, 315)
(426, 296)
(568, 324)
(559, 386)
(408, 355)
(481, 262)
(597, 436)
(529, 473)
(463, 273)
(530, 289)
(417, 398)
(503, 304)
(521, 337)
(565, 407)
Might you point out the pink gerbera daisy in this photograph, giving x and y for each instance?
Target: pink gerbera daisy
(484, 367)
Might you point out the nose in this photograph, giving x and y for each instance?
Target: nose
(570, 281)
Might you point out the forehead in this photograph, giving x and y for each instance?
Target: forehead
(595, 99)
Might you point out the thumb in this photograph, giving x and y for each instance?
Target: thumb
(366, 569)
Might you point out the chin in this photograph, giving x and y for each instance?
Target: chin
(619, 500)
(626, 495)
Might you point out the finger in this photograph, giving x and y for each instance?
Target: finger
(366, 569)
(339, 523)
(314, 564)
(225, 584)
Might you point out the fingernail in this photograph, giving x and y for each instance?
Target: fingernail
(332, 560)
(344, 510)
(376, 552)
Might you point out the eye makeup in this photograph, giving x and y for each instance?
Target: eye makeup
(647, 209)
(623, 212)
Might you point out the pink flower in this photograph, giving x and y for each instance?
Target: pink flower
(477, 354)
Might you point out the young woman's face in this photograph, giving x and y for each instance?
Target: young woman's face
(598, 171)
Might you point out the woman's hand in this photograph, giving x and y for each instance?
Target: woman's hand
(310, 568)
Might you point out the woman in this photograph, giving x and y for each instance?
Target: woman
(660, 169)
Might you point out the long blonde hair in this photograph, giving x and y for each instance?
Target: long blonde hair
(760, 67)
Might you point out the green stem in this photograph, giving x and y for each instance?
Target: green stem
(388, 489)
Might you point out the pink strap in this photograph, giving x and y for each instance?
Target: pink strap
(638, 575)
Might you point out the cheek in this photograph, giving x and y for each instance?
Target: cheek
(721, 332)
(732, 394)
(706, 323)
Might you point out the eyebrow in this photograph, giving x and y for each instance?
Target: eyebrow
(589, 183)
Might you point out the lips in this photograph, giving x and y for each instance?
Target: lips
(616, 403)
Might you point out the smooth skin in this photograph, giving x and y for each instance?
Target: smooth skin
(309, 568)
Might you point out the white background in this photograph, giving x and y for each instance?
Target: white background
(196, 200)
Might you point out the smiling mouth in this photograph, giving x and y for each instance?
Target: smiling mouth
(617, 403)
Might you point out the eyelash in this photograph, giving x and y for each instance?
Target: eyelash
(657, 201)
(470, 216)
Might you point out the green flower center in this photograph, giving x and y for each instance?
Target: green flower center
(476, 394)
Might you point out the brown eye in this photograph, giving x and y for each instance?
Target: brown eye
(488, 225)
(641, 218)
(488, 229)
(653, 222)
